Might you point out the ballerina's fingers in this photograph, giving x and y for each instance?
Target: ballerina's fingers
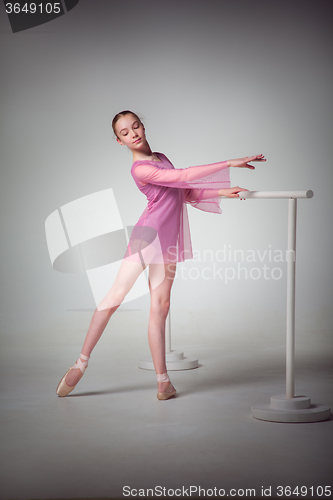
(260, 157)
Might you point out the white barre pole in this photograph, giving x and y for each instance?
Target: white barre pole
(275, 194)
(290, 316)
(291, 263)
(288, 407)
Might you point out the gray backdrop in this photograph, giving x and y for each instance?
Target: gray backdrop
(212, 80)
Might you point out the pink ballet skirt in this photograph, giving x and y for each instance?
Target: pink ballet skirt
(162, 234)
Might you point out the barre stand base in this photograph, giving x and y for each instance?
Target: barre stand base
(175, 360)
(297, 409)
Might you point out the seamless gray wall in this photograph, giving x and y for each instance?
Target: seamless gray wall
(212, 80)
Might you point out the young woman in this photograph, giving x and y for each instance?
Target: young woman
(160, 239)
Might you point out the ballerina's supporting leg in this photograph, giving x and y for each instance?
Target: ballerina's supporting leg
(159, 308)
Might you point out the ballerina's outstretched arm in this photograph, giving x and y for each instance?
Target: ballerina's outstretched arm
(192, 195)
(185, 178)
(205, 176)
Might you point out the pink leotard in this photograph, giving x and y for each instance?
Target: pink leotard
(162, 233)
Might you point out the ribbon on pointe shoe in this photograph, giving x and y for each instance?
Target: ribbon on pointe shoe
(164, 377)
(82, 365)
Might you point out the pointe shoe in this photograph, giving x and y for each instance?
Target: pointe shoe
(63, 389)
(169, 393)
(162, 396)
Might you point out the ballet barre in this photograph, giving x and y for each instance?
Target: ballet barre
(291, 273)
(288, 407)
(275, 194)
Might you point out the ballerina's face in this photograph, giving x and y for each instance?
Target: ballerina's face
(130, 132)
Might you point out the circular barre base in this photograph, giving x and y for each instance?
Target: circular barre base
(297, 409)
(175, 360)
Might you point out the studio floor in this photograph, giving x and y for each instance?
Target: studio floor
(112, 438)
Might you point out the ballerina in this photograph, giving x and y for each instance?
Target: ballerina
(160, 239)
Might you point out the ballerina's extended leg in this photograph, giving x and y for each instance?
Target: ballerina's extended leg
(127, 275)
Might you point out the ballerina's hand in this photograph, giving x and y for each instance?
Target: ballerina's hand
(244, 162)
(232, 192)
